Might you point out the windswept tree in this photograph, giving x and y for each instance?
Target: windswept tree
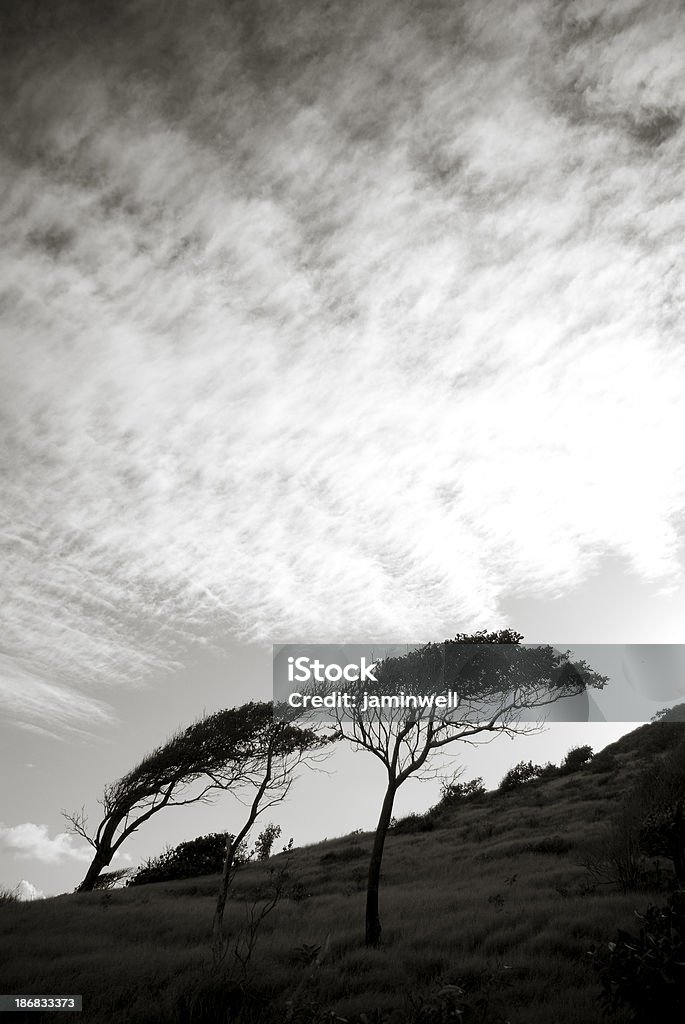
(490, 680)
(217, 752)
(279, 748)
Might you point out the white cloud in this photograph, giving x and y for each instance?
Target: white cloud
(351, 349)
(33, 841)
(28, 891)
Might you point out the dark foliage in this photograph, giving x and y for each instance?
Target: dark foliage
(659, 797)
(659, 737)
(220, 751)
(646, 972)
(526, 771)
(576, 759)
(201, 856)
(265, 841)
(458, 792)
(604, 762)
(414, 823)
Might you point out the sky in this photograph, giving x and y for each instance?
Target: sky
(322, 322)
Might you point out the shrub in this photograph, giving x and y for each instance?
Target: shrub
(659, 796)
(523, 772)
(646, 972)
(576, 759)
(459, 792)
(414, 823)
(617, 857)
(265, 841)
(649, 822)
(201, 856)
(604, 761)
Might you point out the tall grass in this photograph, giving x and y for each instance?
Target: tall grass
(494, 902)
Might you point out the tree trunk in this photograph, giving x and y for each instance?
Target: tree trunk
(373, 921)
(98, 863)
(229, 862)
(231, 851)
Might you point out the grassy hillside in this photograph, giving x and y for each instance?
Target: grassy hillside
(487, 908)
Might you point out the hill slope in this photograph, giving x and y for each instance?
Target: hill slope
(491, 896)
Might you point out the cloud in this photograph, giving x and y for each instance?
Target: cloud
(28, 891)
(62, 709)
(345, 324)
(33, 841)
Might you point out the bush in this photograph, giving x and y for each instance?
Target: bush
(413, 823)
(523, 772)
(265, 841)
(660, 796)
(646, 972)
(649, 822)
(459, 792)
(202, 856)
(576, 759)
(616, 857)
(604, 761)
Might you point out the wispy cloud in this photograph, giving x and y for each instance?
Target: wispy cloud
(48, 709)
(34, 842)
(332, 322)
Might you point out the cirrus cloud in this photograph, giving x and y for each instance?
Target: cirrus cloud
(333, 322)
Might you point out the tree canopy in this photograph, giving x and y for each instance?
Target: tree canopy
(219, 751)
(489, 679)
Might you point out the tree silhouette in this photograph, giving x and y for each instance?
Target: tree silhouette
(278, 748)
(217, 752)
(494, 680)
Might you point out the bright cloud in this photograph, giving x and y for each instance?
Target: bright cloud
(28, 891)
(345, 324)
(33, 841)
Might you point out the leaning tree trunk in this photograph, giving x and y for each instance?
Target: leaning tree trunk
(105, 848)
(373, 921)
(99, 862)
(230, 864)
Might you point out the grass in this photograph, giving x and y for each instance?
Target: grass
(494, 900)
(8, 896)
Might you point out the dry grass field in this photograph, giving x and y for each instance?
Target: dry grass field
(488, 912)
